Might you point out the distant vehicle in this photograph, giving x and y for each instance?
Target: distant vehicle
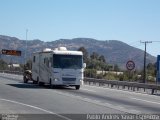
(27, 75)
(58, 67)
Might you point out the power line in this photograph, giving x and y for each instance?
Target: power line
(156, 41)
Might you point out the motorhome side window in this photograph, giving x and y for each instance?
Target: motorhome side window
(34, 58)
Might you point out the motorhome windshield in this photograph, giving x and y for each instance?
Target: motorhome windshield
(67, 61)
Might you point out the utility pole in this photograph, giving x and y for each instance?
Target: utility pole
(144, 69)
(25, 58)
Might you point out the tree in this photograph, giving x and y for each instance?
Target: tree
(85, 54)
(116, 68)
(102, 59)
(3, 65)
(96, 62)
(28, 65)
(94, 55)
(151, 69)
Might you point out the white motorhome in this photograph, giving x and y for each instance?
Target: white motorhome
(58, 67)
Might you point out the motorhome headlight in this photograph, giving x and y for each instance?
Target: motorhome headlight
(56, 79)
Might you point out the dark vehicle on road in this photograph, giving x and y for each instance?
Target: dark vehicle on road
(27, 75)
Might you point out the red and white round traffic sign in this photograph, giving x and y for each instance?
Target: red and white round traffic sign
(130, 65)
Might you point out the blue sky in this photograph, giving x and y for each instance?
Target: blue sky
(126, 20)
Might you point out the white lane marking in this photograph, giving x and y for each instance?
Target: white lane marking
(96, 102)
(38, 108)
(88, 90)
(145, 100)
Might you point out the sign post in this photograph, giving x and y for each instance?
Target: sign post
(130, 65)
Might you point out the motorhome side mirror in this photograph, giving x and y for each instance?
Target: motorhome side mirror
(84, 65)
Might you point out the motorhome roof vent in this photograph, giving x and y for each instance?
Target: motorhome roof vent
(62, 48)
(46, 49)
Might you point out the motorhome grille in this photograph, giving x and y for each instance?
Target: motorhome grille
(69, 79)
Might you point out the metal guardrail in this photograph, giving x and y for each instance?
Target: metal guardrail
(131, 85)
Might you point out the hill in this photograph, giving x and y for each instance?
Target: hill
(115, 52)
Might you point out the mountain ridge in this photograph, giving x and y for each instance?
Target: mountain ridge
(114, 51)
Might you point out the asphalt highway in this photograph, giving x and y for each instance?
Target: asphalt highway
(64, 103)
